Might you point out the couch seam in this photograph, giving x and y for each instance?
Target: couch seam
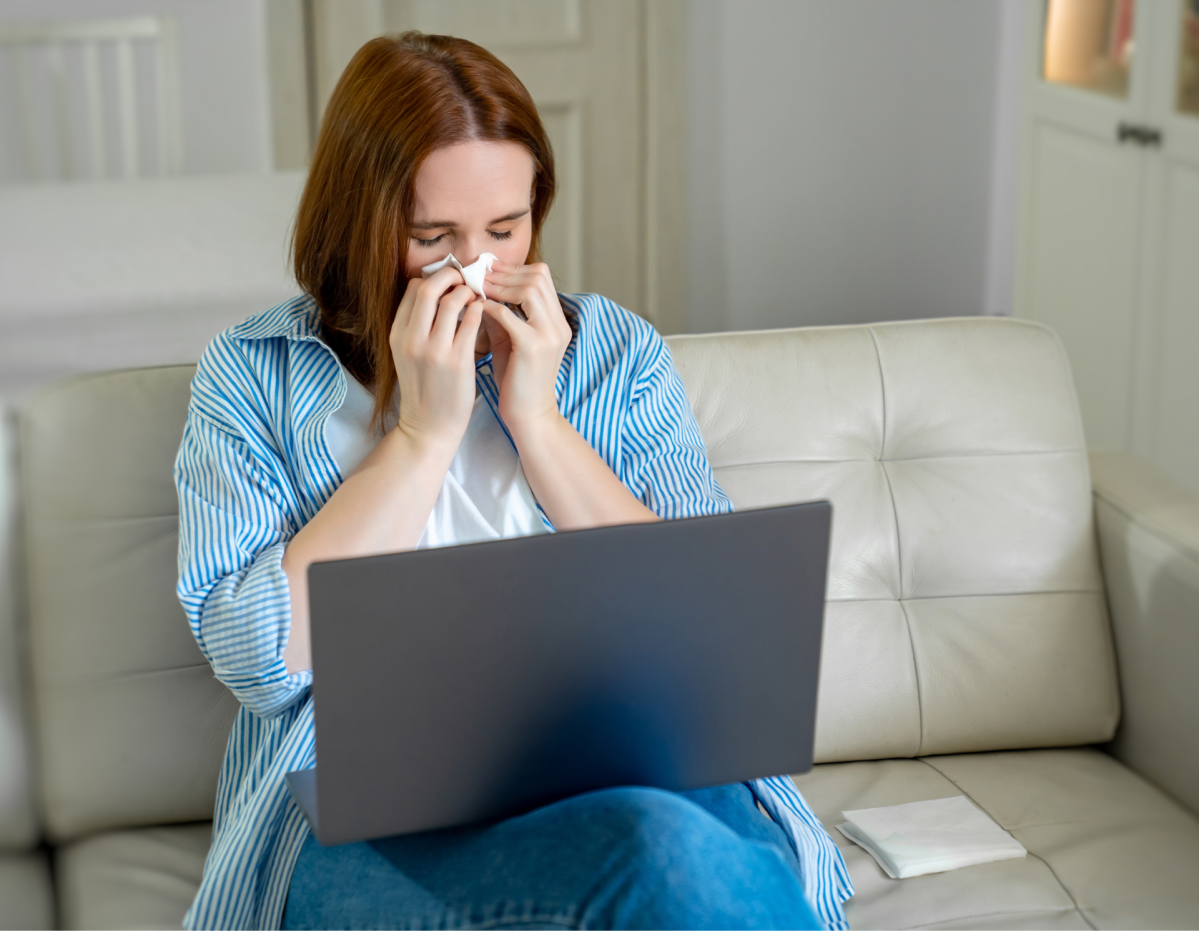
(907, 623)
(971, 917)
(977, 595)
(917, 458)
(1052, 870)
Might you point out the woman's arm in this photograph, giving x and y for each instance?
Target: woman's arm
(574, 486)
(381, 508)
(384, 505)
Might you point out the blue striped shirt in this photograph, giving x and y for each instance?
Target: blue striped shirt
(253, 468)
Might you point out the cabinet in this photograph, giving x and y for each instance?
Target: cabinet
(1108, 245)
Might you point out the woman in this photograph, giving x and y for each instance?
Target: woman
(385, 411)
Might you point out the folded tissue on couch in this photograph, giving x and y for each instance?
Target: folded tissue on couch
(929, 836)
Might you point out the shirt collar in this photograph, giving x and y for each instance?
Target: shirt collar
(297, 319)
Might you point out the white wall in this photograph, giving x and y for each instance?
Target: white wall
(850, 160)
(223, 72)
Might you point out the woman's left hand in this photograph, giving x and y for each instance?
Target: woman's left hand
(526, 355)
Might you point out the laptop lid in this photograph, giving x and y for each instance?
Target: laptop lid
(474, 682)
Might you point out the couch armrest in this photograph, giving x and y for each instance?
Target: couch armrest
(1149, 540)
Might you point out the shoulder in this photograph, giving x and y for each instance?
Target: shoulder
(598, 314)
(243, 369)
(608, 331)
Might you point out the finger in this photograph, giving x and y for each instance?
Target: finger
(468, 328)
(511, 288)
(407, 302)
(530, 292)
(495, 331)
(506, 319)
(430, 291)
(448, 308)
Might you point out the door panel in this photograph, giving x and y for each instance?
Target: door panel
(582, 63)
(1082, 261)
(490, 23)
(562, 235)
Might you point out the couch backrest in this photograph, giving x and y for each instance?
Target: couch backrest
(131, 724)
(966, 608)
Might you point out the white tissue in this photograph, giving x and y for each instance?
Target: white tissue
(473, 275)
(929, 836)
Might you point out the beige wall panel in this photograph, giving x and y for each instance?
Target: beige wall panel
(563, 234)
(509, 23)
(666, 221)
(287, 63)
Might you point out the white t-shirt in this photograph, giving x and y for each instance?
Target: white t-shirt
(485, 495)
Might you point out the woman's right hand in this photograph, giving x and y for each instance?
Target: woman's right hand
(434, 358)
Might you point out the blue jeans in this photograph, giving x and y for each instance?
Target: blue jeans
(625, 858)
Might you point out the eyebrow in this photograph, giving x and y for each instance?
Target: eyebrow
(425, 225)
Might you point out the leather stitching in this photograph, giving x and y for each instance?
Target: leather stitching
(976, 595)
(1052, 870)
(996, 914)
(915, 458)
(898, 552)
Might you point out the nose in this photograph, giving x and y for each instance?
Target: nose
(470, 255)
(470, 247)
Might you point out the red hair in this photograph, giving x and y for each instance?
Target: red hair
(399, 99)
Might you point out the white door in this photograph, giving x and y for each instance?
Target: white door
(1169, 358)
(583, 61)
(1110, 217)
(1082, 192)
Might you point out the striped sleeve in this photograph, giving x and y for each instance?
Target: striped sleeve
(665, 461)
(233, 529)
(826, 880)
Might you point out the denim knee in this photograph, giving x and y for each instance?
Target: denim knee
(656, 827)
(679, 867)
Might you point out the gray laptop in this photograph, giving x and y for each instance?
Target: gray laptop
(470, 683)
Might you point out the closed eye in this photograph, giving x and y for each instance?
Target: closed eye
(501, 235)
(428, 242)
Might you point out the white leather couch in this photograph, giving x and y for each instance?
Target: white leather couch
(1004, 621)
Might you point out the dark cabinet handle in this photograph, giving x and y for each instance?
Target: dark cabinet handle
(1140, 134)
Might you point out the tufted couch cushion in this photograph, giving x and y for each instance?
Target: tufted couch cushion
(966, 608)
(131, 722)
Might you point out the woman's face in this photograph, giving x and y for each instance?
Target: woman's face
(472, 198)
